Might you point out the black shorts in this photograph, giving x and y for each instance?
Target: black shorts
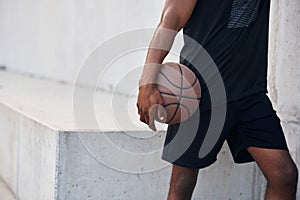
(248, 122)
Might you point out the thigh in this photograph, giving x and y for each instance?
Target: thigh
(272, 161)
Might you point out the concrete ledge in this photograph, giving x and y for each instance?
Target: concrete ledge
(44, 155)
(28, 156)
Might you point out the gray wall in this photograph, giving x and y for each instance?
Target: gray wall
(51, 38)
(284, 69)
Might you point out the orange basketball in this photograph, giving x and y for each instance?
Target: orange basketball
(180, 91)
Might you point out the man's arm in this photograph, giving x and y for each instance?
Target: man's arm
(174, 16)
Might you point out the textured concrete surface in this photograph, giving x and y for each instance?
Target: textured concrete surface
(221, 181)
(284, 70)
(28, 156)
(91, 179)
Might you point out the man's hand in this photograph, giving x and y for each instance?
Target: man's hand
(149, 105)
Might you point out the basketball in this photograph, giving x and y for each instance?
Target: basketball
(180, 91)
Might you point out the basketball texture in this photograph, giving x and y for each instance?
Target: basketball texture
(180, 91)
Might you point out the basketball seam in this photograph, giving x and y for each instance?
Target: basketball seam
(184, 97)
(183, 88)
(194, 83)
(170, 104)
(179, 99)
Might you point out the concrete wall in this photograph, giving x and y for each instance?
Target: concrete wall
(52, 38)
(284, 70)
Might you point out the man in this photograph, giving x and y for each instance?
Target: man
(235, 34)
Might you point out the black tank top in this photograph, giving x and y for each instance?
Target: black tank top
(235, 35)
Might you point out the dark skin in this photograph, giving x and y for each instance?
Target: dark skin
(277, 165)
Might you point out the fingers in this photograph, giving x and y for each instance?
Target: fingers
(148, 116)
(149, 101)
(140, 112)
(151, 123)
(144, 116)
(152, 115)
